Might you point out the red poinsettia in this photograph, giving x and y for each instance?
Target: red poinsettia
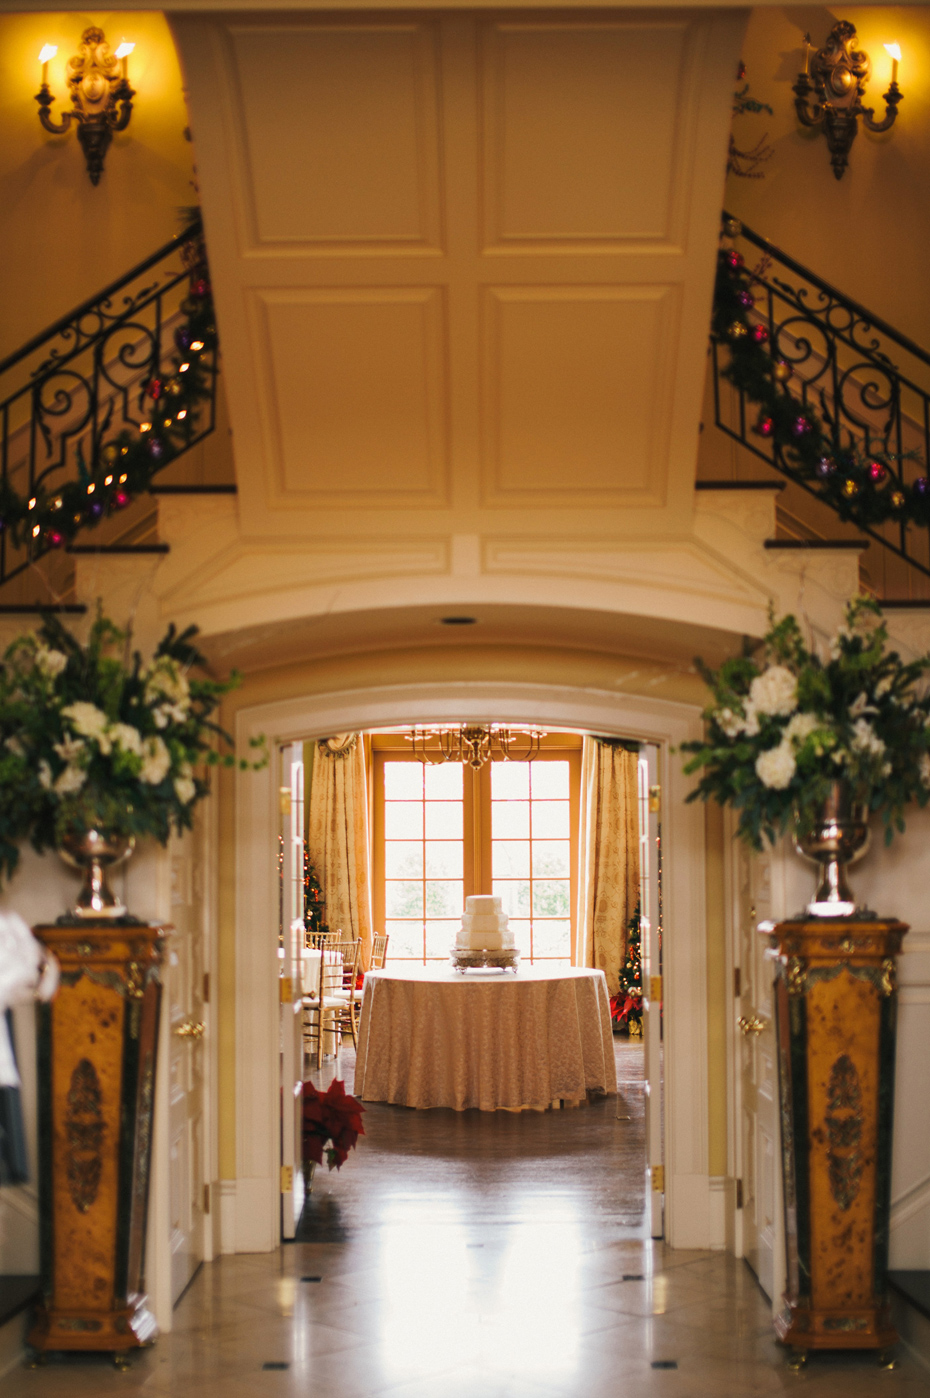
(623, 1003)
(331, 1116)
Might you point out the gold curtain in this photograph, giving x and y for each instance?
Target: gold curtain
(608, 887)
(337, 835)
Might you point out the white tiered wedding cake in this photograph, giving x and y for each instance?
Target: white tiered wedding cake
(484, 938)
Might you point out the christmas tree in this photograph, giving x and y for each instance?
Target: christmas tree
(314, 902)
(626, 1007)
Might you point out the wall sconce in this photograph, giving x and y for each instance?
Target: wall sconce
(835, 79)
(96, 85)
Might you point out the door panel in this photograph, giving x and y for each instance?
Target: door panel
(292, 942)
(651, 954)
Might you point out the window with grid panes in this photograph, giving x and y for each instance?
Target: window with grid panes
(442, 832)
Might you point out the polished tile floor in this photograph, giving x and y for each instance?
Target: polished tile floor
(477, 1255)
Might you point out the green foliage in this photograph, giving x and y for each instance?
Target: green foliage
(786, 722)
(90, 735)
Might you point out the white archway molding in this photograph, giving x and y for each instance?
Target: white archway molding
(255, 1227)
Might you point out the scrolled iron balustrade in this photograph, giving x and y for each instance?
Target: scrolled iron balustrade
(868, 383)
(83, 381)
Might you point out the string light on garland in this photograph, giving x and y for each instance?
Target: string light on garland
(805, 445)
(49, 520)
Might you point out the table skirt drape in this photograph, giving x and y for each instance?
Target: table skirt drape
(488, 1040)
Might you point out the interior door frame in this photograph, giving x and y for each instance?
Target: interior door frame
(256, 1203)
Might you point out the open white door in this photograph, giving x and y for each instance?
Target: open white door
(650, 826)
(292, 942)
(757, 1088)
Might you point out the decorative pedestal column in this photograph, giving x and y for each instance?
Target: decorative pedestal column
(836, 1011)
(96, 1064)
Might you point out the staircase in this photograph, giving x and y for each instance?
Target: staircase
(76, 391)
(868, 385)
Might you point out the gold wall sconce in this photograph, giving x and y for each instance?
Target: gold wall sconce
(101, 98)
(830, 91)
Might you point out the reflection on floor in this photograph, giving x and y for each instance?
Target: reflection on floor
(477, 1256)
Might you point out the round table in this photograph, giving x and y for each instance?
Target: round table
(433, 1037)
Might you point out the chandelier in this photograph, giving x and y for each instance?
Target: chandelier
(475, 744)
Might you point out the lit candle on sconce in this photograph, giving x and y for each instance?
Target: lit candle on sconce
(895, 51)
(807, 53)
(123, 52)
(47, 53)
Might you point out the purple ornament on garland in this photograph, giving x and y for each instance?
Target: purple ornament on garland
(96, 509)
(825, 467)
(921, 485)
(800, 426)
(155, 448)
(182, 338)
(745, 299)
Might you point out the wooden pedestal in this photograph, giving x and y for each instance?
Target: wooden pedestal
(836, 1010)
(96, 1063)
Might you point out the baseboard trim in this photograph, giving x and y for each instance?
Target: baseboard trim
(224, 1194)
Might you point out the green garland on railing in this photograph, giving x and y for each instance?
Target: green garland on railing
(861, 487)
(123, 467)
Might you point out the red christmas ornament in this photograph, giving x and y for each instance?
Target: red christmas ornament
(154, 388)
(120, 499)
(55, 539)
(760, 334)
(877, 472)
(734, 258)
(764, 427)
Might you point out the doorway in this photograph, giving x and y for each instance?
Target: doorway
(684, 1110)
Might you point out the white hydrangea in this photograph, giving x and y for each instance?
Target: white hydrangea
(126, 738)
(776, 766)
(865, 739)
(90, 722)
(186, 789)
(165, 680)
(751, 721)
(801, 726)
(71, 780)
(166, 712)
(156, 761)
(775, 691)
(50, 662)
(731, 722)
(70, 749)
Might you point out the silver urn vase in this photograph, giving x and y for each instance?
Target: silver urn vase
(836, 838)
(95, 853)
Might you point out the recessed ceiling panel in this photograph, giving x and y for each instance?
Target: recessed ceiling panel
(580, 127)
(340, 126)
(357, 399)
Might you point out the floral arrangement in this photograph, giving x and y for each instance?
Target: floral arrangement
(331, 1117)
(785, 723)
(90, 735)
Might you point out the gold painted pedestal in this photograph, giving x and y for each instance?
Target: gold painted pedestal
(96, 1059)
(836, 1011)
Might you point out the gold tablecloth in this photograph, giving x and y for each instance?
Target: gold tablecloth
(493, 1040)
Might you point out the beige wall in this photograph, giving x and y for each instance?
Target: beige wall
(66, 239)
(865, 233)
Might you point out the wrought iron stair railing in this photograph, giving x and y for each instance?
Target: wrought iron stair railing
(85, 384)
(865, 383)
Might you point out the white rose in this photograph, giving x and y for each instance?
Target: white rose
(71, 780)
(50, 662)
(801, 726)
(751, 721)
(776, 766)
(15, 746)
(775, 691)
(90, 722)
(126, 738)
(155, 762)
(730, 722)
(165, 680)
(186, 789)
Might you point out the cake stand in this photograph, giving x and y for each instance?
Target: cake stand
(464, 959)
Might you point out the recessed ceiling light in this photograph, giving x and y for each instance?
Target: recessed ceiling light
(458, 620)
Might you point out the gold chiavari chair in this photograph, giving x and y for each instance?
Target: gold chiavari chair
(318, 940)
(329, 1011)
(379, 946)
